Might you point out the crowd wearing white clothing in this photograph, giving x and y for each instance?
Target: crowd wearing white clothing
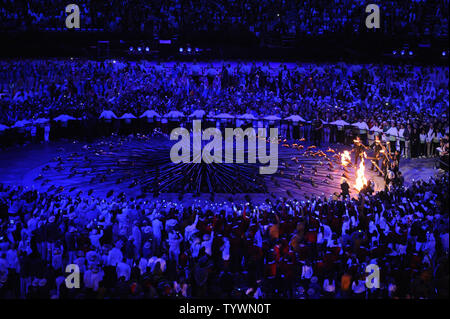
(134, 248)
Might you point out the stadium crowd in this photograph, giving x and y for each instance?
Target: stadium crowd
(408, 105)
(147, 247)
(175, 17)
(150, 248)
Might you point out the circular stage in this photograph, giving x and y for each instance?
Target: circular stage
(140, 167)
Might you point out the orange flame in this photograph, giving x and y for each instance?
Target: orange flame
(345, 158)
(361, 180)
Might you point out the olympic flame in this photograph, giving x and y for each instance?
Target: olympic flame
(361, 180)
(345, 158)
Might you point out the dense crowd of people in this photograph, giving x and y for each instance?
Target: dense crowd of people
(58, 245)
(174, 17)
(152, 248)
(405, 104)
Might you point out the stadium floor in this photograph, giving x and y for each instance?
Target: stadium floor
(20, 165)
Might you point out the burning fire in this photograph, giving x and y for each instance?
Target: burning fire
(361, 180)
(345, 158)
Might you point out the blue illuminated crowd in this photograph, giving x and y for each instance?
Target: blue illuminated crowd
(411, 101)
(58, 245)
(151, 248)
(427, 18)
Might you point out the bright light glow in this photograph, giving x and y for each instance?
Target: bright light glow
(361, 180)
(345, 158)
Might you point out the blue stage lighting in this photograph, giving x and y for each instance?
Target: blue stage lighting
(394, 52)
(181, 50)
(139, 49)
(131, 48)
(444, 53)
(147, 49)
(189, 49)
(402, 52)
(410, 53)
